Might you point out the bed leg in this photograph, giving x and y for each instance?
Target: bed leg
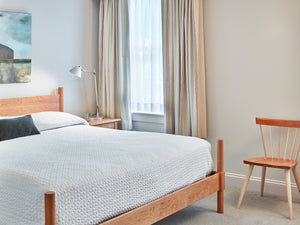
(221, 173)
(61, 99)
(50, 208)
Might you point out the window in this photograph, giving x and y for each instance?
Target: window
(146, 61)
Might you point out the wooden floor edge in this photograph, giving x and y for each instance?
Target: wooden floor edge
(169, 204)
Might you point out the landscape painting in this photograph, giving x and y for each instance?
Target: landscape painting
(15, 47)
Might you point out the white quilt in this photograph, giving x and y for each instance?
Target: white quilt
(97, 173)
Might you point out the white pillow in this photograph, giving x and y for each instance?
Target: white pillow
(52, 120)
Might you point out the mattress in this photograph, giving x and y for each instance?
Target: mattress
(96, 173)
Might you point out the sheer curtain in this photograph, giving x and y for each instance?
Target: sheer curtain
(146, 61)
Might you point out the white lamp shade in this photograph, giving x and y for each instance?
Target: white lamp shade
(76, 71)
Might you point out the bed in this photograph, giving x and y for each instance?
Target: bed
(165, 180)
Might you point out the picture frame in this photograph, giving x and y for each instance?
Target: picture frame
(15, 47)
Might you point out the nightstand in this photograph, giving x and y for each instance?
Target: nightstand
(105, 122)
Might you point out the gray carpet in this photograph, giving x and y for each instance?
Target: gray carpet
(270, 209)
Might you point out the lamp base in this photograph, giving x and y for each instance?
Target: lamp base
(96, 117)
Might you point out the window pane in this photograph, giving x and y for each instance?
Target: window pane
(146, 69)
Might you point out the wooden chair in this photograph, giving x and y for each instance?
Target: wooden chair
(287, 162)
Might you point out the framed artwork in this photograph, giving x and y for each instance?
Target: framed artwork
(15, 47)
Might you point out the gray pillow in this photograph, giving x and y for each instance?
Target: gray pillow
(17, 127)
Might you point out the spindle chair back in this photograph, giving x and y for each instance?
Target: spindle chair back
(288, 152)
(285, 158)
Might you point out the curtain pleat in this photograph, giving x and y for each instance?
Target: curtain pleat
(114, 85)
(184, 67)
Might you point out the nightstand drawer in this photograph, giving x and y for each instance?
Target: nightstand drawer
(107, 125)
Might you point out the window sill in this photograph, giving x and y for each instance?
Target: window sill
(157, 118)
(148, 113)
(151, 122)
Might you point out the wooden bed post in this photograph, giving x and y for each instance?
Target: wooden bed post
(61, 99)
(50, 208)
(221, 172)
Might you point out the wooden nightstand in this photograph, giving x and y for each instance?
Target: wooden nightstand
(105, 122)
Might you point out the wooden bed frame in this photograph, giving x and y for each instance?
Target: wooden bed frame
(146, 214)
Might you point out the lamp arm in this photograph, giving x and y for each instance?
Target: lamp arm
(96, 90)
(88, 71)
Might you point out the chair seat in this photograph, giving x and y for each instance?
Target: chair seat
(269, 162)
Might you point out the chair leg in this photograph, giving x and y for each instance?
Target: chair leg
(296, 175)
(245, 185)
(263, 177)
(289, 192)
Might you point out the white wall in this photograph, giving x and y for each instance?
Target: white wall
(64, 34)
(253, 69)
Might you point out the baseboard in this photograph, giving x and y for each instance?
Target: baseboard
(272, 186)
(258, 179)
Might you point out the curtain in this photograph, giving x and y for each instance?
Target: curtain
(184, 67)
(146, 68)
(114, 82)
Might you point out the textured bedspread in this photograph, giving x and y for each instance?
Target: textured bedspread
(97, 173)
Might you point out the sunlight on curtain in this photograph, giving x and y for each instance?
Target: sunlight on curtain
(184, 60)
(146, 61)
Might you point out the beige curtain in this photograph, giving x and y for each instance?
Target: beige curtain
(114, 83)
(184, 67)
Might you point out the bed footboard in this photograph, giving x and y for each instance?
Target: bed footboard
(166, 205)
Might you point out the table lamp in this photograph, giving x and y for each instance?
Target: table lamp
(77, 71)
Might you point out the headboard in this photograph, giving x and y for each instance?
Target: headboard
(27, 105)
